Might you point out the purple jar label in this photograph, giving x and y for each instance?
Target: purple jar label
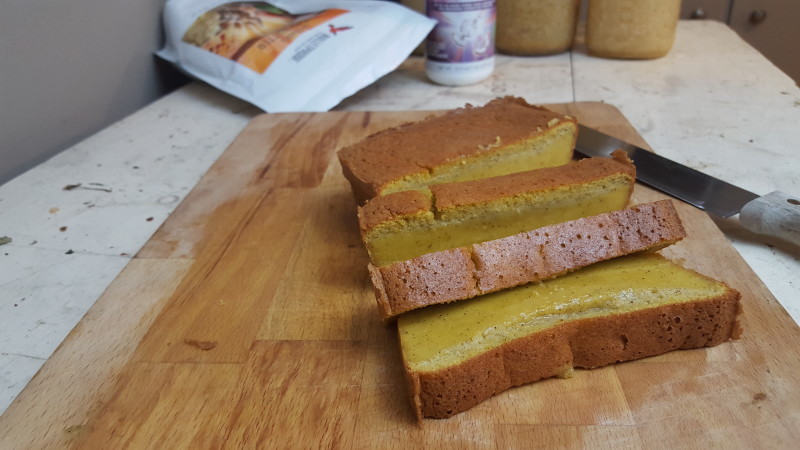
(464, 32)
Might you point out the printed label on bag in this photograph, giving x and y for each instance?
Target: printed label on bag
(290, 55)
(464, 31)
(255, 33)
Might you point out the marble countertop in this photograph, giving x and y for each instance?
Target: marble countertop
(714, 103)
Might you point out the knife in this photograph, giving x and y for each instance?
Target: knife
(776, 214)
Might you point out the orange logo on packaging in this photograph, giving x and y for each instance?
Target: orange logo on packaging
(335, 29)
(253, 34)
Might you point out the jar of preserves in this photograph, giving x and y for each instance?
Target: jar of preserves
(631, 29)
(536, 27)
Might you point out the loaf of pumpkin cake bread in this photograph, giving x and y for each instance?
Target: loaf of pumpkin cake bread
(506, 135)
(460, 354)
(467, 272)
(404, 225)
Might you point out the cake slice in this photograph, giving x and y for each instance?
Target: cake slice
(404, 225)
(460, 354)
(466, 272)
(506, 135)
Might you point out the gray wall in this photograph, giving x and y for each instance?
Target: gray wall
(70, 68)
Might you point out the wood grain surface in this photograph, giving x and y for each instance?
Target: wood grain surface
(248, 321)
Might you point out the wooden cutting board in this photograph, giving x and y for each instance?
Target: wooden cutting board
(248, 321)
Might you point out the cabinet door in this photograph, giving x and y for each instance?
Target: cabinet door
(706, 9)
(773, 27)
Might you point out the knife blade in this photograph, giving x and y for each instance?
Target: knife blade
(776, 214)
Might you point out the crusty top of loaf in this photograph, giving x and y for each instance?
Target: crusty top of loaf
(452, 195)
(419, 146)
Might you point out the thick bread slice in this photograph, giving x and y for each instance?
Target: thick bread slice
(466, 272)
(404, 225)
(506, 135)
(460, 354)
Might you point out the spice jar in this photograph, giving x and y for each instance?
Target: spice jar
(536, 27)
(631, 29)
(460, 49)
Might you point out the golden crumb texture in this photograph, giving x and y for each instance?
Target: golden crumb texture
(586, 343)
(467, 272)
(401, 206)
(455, 195)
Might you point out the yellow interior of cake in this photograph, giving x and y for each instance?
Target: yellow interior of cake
(400, 240)
(440, 336)
(553, 148)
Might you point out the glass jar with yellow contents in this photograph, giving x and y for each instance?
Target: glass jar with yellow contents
(536, 27)
(631, 29)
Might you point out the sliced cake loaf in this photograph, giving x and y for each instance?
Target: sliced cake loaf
(500, 275)
(459, 354)
(404, 225)
(506, 135)
(466, 272)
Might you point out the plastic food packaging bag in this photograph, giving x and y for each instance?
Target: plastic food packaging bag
(288, 56)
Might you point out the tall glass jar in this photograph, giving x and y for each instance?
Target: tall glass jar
(536, 27)
(631, 29)
(460, 49)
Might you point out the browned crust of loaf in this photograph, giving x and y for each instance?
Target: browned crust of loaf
(362, 190)
(406, 286)
(454, 195)
(585, 343)
(391, 207)
(375, 161)
(399, 205)
(523, 258)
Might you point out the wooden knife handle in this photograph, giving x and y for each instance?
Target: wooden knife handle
(775, 214)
